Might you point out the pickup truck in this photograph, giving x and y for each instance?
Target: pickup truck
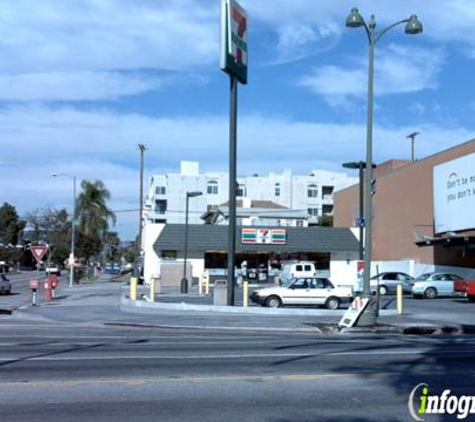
(467, 287)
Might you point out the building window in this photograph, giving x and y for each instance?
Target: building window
(169, 254)
(313, 212)
(299, 223)
(327, 192)
(240, 191)
(161, 206)
(160, 190)
(312, 191)
(327, 209)
(212, 187)
(277, 189)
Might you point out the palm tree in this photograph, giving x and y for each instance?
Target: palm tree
(93, 215)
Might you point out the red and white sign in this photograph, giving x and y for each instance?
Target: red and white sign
(34, 284)
(38, 252)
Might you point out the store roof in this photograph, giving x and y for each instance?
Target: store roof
(207, 237)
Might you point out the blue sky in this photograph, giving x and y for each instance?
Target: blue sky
(83, 82)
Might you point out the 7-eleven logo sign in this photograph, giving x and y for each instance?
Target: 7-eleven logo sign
(38, 252)
(238, 33)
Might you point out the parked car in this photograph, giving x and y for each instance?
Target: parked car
(435, 284)
(113, 268)
(388, 281)
(467, 288)
(5, 285)
(304, 291)
(53, 269)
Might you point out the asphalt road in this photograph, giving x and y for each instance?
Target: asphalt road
(81, 359)
(56, 366)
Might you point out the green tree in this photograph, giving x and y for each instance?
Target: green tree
(325, 220)
(113, 252)
(93, 216)
(52, 227)
(10, 225)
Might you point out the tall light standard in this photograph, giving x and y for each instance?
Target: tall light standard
(73, 227)
(413, 26)
(184, 280)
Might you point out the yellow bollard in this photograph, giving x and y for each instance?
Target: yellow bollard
(245, 293)
(152, 289)
(133, 288)
(399, 299)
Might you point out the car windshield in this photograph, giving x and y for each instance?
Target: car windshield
(425, 276)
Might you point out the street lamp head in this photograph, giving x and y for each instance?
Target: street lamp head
(54, 175)
(354, 19)
(413, 26)
(193, 194)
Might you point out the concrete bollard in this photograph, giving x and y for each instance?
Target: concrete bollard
(133, 288)
(399, 299)
(245, 293)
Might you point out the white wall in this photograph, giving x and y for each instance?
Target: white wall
(151, 262)
(343, 268)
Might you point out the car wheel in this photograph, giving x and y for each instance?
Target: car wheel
(332, 303)
(430, 293)
(273, 302)
(383, 290)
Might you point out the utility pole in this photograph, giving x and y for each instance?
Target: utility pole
(412, 137)
(142, 150)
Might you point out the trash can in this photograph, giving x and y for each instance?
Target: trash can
(220, 293)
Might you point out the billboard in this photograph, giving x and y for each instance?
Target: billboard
(234, 29)
(454, 195)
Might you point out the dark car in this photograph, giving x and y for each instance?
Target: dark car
(5, 285)
(388, 281)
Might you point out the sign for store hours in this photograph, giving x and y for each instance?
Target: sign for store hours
(264, 236)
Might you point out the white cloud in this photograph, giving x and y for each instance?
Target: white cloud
(398, 70)
(298, 41)
(84, 35)
(39, 141)
(76, 86)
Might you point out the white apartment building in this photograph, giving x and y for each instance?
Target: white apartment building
(313, 193)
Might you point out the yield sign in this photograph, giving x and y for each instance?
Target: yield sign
(38, 252)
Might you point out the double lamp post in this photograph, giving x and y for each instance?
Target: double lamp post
(413, 27)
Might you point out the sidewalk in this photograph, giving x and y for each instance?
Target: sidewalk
(204, 314)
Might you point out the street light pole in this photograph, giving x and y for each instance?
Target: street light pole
(73, 227)
(413, 26)
(360, 165)
(412, 137)
(184, 280)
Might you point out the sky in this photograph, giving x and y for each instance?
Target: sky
(82, 82)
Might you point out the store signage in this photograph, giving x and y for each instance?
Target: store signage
(234, 31)
(264, 236)
(454, 195)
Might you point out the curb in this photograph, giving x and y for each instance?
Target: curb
(127, 304)
(313, 330)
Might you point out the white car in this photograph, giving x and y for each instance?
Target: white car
(304, 291)
(53, 270)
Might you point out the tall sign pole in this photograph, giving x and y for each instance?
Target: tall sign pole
(233, 61)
